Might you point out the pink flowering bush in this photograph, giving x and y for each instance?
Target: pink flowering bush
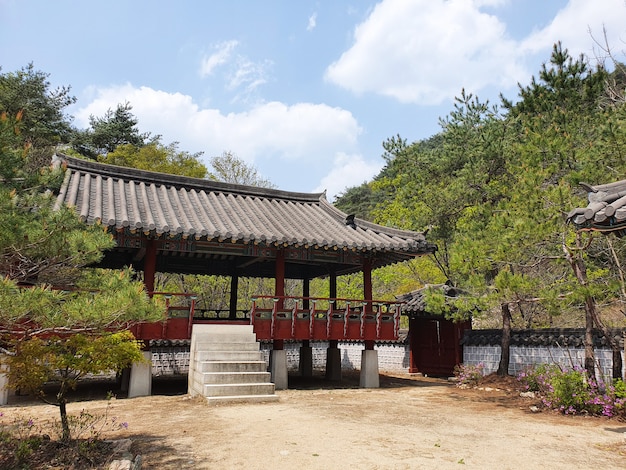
(570, 391)
(469, 374)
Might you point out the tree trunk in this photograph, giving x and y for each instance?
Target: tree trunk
(590, 358)
(65, 424)
(580, 271)
(617, 363)
(616, 371)
(62, 401)
(505, 346)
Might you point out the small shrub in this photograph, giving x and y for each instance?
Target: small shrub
(537, 378)
(26, 444)
(571, 392)
(469, 375)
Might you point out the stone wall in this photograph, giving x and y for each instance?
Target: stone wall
(562, 346)
(168, 360)
(554, 346)
(524, 356)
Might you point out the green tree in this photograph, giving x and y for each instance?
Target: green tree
(157, 157)
(231, 169)
(58, 317)
(564, 123)
(107, 133)
(28, 93)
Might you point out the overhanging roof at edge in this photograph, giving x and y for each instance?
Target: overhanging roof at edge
(606, 211)
(162, 206)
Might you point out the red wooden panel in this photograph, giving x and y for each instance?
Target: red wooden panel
(177, 328)
(353, 325)
(283, 324)
(302, 326)
(370, 327)
(388, 328)
(337, 325)
(320, 325)
(262, 321)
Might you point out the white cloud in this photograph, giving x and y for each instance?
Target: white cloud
(219, 57)
(247, 75)
(299, 139)
(578, 24)
(312, 22)
(240, 75)
(425, 51)
(347, 171)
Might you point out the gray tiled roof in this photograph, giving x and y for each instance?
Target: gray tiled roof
(549, 337)
(127, 199)
(606, 211)
(414, 302)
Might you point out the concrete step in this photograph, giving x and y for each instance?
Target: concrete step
(217, 329)
(242, 399)
(228, 356)
(231, 366)
(226, 365)
(250, 345)
(223, 338)
(224, 390)
(235, 377)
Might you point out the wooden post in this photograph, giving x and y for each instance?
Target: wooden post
(278, 356)
(367, 285)
(234, 286)
(149, 265)
(279, 277)
(306, 292)
(332, 287)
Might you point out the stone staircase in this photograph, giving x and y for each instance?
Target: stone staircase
(226, 365)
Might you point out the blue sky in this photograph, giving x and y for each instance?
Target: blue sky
(306, 91)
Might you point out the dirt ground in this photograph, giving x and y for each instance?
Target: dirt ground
(408, 423)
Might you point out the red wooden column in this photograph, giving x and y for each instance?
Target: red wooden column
(278, 356)
(279, 288)
(369, 358)
(367, 294)
(333, 353)
(138, 380)
(306, 351)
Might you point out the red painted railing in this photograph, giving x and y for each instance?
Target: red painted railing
(343, 319)
(323, 319)
(178, 321)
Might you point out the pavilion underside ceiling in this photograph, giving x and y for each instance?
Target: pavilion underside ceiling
(247, 261)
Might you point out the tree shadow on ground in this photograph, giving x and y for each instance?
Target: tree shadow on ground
(102, 388)
(351, 380)
(156, 455)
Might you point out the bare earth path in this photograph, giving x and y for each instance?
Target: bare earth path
(406, 424)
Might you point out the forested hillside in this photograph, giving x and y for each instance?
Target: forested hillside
(493, 187)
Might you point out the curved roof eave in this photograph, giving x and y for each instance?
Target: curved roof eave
(171, 205)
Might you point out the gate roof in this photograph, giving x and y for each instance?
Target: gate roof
(236, 227)
(606, 211)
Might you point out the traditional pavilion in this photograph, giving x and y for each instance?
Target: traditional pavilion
(175, 224)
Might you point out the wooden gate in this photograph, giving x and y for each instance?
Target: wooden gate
(435, 345)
